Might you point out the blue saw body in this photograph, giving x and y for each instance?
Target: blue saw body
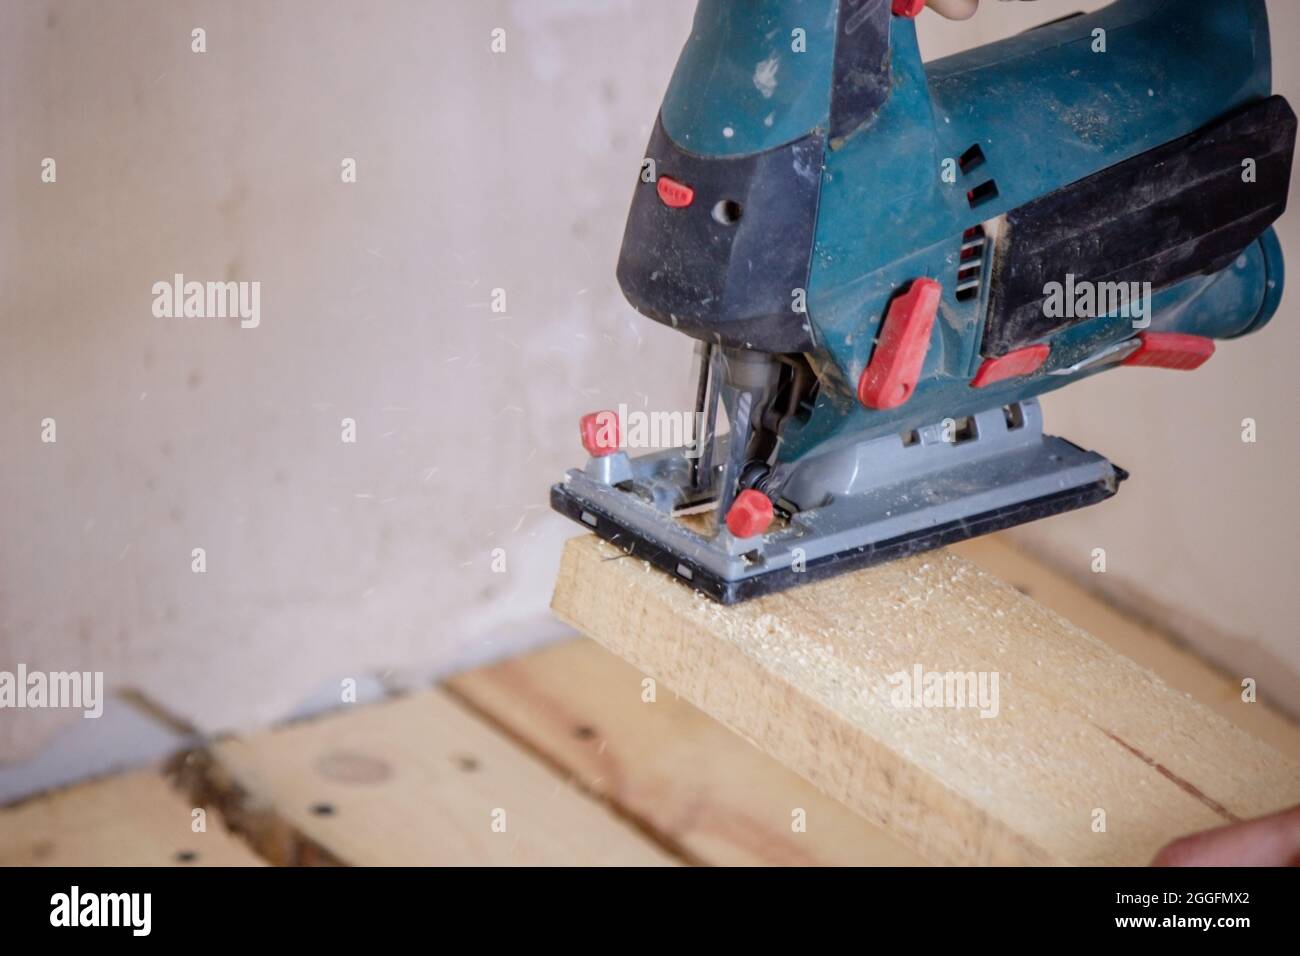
(809, 170)
(1044, 119)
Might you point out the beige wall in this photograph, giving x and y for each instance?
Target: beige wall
(476, 171)
(324, 559)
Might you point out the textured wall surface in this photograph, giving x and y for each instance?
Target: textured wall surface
(324, 559)
(475, 171)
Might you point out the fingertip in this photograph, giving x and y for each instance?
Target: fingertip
(954, 9)
(1178, 853)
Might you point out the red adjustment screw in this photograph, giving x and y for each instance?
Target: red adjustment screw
(599, 433)
(908, 8)
(750, 514)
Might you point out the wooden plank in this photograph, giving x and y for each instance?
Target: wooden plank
(676, 771)
(136, 819)
(1143, 643)
(413, 781)
(810, 677)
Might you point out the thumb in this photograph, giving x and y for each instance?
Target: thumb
(1268, 841)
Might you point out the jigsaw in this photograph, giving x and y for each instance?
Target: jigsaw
(884, 262)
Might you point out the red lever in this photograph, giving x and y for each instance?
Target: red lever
(1171, 350)
(1012, 365)
(674, 194)
(750, 514)
(599, 433)
(908, 8)
(890, 377)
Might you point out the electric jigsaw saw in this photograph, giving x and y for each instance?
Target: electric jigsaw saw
(884, 262)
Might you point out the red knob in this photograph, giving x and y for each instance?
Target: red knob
(908, 8)
(599, 433)
(675, 195)
(895, 368)
(1171, 350)
(750, 514)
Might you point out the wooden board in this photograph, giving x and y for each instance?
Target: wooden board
(137, 819)
(413, 781)
(1144, 644)
(666, 765)
(1081, 734)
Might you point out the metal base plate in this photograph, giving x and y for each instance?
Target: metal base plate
(862, 504)
(779, 579)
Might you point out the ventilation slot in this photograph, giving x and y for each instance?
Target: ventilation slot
(970, 267)
(964, 430)
(973, 158)
(983, 193)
